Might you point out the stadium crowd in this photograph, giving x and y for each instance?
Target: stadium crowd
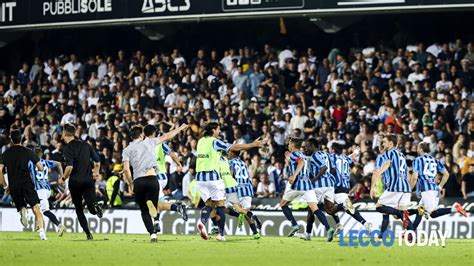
(420, 93)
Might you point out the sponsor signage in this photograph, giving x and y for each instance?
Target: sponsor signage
(273, 223)
(35, 14)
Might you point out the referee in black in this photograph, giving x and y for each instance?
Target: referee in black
(80, 159)
(20, 183)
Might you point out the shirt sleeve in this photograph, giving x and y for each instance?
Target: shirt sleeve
(68, 156)
(94, 156)
(294, 158)
(50, 163)
(416, 166)
(166, 149)
(125, 155)
(219, 145)
(440, 167)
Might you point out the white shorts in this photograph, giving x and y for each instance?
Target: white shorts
(397, 200)
(163, 184)
(429, 200)
(341, 198)
(43, 195)
(323, 193)
(231, 199)
(246, 202)
(214, 190)
(291, 194)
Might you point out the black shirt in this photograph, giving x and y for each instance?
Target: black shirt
(16, 160)
(469, 179)
(79, 155)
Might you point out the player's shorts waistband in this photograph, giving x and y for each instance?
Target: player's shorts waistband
(152, 177)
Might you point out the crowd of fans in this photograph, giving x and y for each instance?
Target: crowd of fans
(421, 94)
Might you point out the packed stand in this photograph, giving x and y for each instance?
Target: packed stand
(350, 98)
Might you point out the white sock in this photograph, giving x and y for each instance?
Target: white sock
(453, 208)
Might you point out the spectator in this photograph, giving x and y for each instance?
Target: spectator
(467, 183)
(265, 188)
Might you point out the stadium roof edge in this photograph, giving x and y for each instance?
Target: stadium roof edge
(241, 15)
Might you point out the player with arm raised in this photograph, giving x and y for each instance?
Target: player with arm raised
(343, 175)
(209, 183)
(425, 170)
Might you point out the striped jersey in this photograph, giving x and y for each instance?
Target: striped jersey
(166, 150)
(396, 176)
(242, 176)
(302, 181)
(219, 146)
(343, 170)
(319, 160)
(427, 168)
(41, 178)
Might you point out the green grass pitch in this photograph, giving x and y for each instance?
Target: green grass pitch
(73, 249)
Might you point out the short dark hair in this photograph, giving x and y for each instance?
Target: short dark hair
(391, 138)
(337, 148)
(425, 147)
(297, 142)
(149, 130)
(38, 152)
(209, 128)
(69, 130)
(314, 142)
(15, 136)
(136, 131)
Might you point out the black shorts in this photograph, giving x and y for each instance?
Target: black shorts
(82, 189)
(24, 194)
(341, 190)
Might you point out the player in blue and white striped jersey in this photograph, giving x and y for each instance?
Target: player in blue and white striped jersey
(425, 169)
(343, 185)
(300, 185)
(41, 182)
(396, 197)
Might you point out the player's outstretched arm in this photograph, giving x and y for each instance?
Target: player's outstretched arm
(444, 180)
(297, 171)
(413, 179)
(2, 178)
(67, 173)
(255, 144)
(60, 169)
(171, 134)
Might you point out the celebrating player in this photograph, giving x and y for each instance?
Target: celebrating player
(41, 181)
(343, 184)
(425, 170)
(396, 197)
(300, 185)
(209, 183)
(20, 185)
(78, 155)
(140, 155)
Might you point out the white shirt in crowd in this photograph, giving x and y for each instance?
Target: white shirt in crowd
(71, 67)
(265, 188)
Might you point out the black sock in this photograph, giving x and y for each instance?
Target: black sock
(253, 228)
(417, 221)
(309, 222)
(321, 206)
(249, 214)
(390, 210)
(205, 213)
(322, 218)
(232, 212)
(289, 215)
(51, 217)
(440, 212)
(385, 222)
(174, 207)
(214, 221)
(336, 218)
(357, 216)
(221, 223)
(412, 211)
(157, 218)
